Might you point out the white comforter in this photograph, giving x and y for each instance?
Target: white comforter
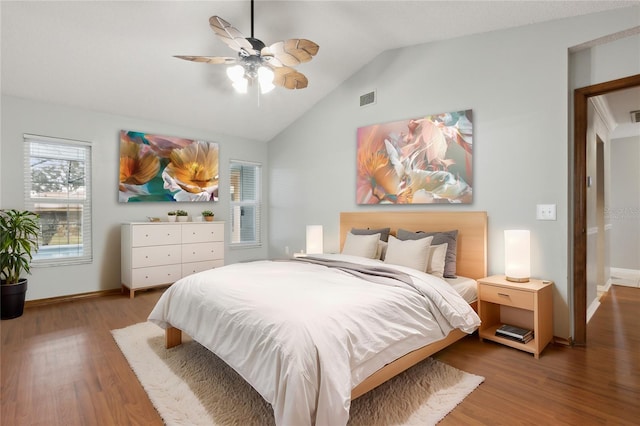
(304, 335)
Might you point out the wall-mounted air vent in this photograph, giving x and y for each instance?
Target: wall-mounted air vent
(368, 98)
(635, 116)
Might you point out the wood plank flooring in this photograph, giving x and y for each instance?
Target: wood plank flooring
(60, 366)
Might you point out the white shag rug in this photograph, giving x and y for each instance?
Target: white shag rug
(189, 385)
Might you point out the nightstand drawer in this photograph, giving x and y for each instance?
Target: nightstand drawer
(507, 296)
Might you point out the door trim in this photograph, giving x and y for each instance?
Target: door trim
(580, 101)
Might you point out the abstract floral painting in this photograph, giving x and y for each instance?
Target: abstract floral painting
(163, 168)
(421, 160)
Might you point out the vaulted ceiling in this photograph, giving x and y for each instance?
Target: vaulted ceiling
(117, 56)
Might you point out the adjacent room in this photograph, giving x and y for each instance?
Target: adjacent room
(320, 212)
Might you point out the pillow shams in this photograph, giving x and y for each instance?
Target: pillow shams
(361, 245)
(437, 256)
(384, 232)
(411, 253)
(449, 237)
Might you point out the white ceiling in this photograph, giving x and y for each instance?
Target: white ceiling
(620, 105)
(116, 56)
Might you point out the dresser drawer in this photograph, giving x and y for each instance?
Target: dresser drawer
(507, 296)
(202, 232)
(146, 277)
(155, 235)
(202, 251)
(155, 256)
(194, 267)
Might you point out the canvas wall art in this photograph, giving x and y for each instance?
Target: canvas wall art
(164, 168)
(421, 160)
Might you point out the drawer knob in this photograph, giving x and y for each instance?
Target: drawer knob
(146, 235)
(146, 276)
(146, 257)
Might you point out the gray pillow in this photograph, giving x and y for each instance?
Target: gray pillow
(384, 232)
(449, 237)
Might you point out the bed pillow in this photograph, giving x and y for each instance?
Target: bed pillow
(382, 250)
(437, 256)
(361, 245)
(384, 232)
(411, 253)
(449, 237)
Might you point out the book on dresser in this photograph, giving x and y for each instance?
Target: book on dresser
(518, 334)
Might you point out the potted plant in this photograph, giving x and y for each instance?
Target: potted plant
(171, 216)
(208, 215)
(18, 242)
(182, 215)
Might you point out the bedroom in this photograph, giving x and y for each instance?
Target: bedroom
(518, 91)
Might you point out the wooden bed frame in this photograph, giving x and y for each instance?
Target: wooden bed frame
(471, 262)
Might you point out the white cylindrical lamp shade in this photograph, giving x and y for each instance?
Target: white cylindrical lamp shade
(517, 255)
(315, 244)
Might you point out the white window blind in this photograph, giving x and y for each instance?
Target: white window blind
(245, 203)
(58, 188)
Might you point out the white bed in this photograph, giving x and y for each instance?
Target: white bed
(310, 338)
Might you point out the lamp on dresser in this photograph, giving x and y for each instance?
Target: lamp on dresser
(517, 255)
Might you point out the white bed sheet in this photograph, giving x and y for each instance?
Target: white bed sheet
(304, 335)
(465, 287)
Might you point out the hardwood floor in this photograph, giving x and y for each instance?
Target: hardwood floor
(60, 366)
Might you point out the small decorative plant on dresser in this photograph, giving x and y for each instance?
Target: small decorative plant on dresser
(182, 215)
(208, 215)
(171, 216)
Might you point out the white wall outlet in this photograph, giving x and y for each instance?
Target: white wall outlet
(546, 212)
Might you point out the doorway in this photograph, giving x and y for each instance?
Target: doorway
(580, 101)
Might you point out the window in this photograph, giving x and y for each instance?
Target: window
(58, 188)
(245, 203)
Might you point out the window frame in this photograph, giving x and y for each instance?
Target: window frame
(30, 202)
(256, 204)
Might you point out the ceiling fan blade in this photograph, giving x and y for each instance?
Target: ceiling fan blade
(209, 59)
(231, 36)
(294, 51)
(268, 57)
(289, 78)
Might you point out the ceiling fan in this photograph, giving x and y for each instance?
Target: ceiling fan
(271, 65)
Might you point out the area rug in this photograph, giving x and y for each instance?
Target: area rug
(189, 385)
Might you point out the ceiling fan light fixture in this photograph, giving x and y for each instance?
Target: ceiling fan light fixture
(241, 85)
(265, 77)
(236, 73)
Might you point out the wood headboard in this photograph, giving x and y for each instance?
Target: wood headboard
(472, 232)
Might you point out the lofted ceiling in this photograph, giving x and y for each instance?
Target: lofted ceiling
(117, 56)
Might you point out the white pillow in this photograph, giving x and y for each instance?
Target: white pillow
(437, 256)
(411, 253)
(361, 245)
(382, 249)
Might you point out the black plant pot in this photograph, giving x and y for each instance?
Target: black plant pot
(13, 299)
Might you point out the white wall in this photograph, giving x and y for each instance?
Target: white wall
(24, 116)
(516, 82)
(624, 209)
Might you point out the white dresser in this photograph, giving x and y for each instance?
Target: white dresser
(157, 254)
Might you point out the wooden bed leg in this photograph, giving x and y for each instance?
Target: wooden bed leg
(172, 337)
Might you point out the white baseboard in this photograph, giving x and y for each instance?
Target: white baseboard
(625, 277)
(605, 288)
(592, 309)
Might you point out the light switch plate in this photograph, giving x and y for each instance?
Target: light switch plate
(546, 212)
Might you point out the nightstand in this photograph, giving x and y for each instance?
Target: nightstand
(527, 305)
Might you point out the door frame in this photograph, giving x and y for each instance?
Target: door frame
(580, 101)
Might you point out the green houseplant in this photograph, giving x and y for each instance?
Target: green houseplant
(182, 215)
(18, 243)
(171, 216)
(208, 215)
